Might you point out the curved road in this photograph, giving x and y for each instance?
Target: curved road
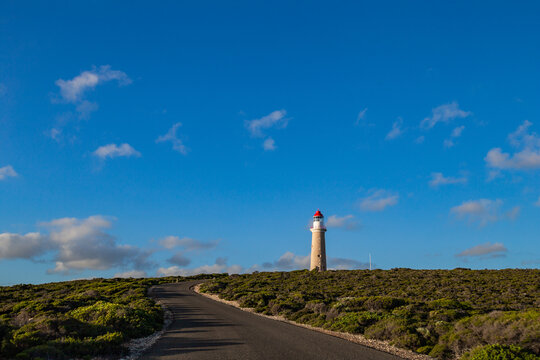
(206, 329)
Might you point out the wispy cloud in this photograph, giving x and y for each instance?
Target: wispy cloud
(527, 155)
(269, 144)
(220, 266)
(360, 119)
(289, 261)
(396, 130)
(292, 261)
(484, 211)
(258, 127)
(171, 136)
(7, 172)
(73, 90)
(347, 222)
(438, 179)
(346, 264)
(112, 151)
(131, 274)
(188, 244)
(456, 133)
(180, 258)
(378, 200)
(276, 119)
(444, 113)
(487, 250)
(85, 108)
(537, 203)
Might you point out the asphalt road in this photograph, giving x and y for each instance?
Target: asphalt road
(206, 329)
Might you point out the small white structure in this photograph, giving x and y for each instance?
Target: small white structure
(318, 246)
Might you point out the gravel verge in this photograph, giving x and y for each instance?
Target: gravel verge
(138, 346)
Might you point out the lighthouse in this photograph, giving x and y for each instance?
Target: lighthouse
(318, 247)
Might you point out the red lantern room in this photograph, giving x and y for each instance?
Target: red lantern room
(318, 222)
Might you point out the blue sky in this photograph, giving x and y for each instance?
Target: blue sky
(142, 138)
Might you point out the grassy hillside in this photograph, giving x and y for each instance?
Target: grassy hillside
(77, 319)
(437, 312)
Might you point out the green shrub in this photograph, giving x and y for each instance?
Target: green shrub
(446, 303)
(437, 312)
(383, 303)
(397, 330)
(42, 352)
(499, 352)
(498, 327)
(77, 319)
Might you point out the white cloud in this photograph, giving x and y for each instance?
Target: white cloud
(291, 261)
(269, 144)
(347, 222)
(258, 127)
(76, 245)
(85, 108)
(444, 113)
(13, 246)
(73, 90)
(448, 143)
(131, 274)
(438, 179)
(527, 155)
(83, 244)
(276, 119)
(189, 244)
(484, 211)
(7, 171)
(378, 200)
(526, 159)
(454, 135)
(346, 264)
(457, 131)
(488, 250)
(55, 134)
(288, 261)
(361, 116)
(220, 266)
(113, 151)
(172, 137)
(396, 130)
(513, 213)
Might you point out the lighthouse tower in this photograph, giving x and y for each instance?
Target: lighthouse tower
(318, 247)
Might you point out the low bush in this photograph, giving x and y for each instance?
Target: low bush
(443, 313)
(499, 352)
(77, 319)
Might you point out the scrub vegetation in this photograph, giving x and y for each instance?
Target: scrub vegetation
(447, 314)
(78, 319)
